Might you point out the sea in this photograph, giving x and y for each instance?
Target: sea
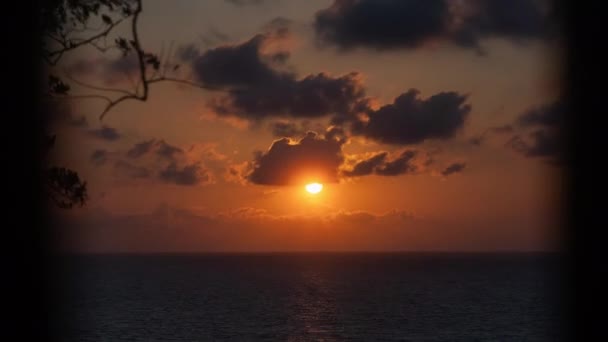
(310, 297)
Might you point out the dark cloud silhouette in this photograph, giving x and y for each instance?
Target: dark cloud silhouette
(336, 133)
(160, 147)
(159, 160)
(393, 24)
(401, 165)
(99, 157)
(381, 24)
(549, 115)
(167, 151)
(511, 19)
(453, 168)
(191, 174)
(237, 65)
(287, 162)
(130, 170)
(379, 164)
(407, 162)
(105, 133)
(258, 89)
(411, 120)
(140, 149)
(539, 143)
(311, 97)
(367, 166)
(546, 139)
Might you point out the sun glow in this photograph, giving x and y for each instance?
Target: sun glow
(314, 188)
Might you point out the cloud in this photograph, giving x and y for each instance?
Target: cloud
(548, 115)
(157, 160)
(401, 165)
(237, 65)
(130, 170)
(515, 20)
(290, 162)
(187, 175)
(407, 162)
(171, 229)
(321, 158)
(99, 157)
(453, 168)
(402, 24)
(546, 138)
(140, 149)
(411, 120)
(539, 143)
(167, 151)
(237, 173)
(367, 166)
(105, 133)
(259, 88)
(381, 24)
(160, 147)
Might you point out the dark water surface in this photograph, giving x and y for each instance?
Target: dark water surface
(311, 297)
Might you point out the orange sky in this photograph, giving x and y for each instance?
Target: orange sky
(502, 199)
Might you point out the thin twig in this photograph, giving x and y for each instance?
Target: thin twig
(90, 86)
(85, 41)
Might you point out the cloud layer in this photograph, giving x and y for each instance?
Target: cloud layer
(402, 24)
(287, 162)
(259, 88)
(157, 160)
(407, 162)
(411, 119)
(169, 229)
(541, 132)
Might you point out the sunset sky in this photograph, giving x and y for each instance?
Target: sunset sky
(432, 125)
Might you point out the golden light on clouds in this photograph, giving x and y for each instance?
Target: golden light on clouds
(314, 188)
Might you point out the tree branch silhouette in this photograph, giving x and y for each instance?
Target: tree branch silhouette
(145, 61)
(71, 45)
(61, 19)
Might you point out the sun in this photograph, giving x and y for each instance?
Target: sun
(314, 188)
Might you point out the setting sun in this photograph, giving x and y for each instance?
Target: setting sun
(314, 188)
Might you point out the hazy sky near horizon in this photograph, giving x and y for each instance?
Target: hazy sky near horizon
(431, 124)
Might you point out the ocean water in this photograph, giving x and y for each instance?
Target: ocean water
(310, 297)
